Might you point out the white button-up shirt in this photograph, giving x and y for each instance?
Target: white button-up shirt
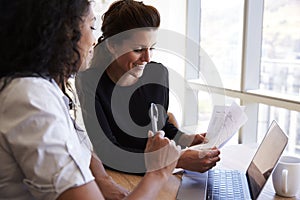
(42, 153)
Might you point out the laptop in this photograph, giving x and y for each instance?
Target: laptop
(209, 185)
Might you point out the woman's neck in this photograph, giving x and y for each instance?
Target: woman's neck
(114, 73)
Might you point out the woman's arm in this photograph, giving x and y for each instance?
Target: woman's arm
(161, 157)
(109, 188)
(159, 171)
(172, 119)
(184, 139)
(149, 186)
(88, 191)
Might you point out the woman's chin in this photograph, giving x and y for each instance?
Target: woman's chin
(137, 75)
(84, 67)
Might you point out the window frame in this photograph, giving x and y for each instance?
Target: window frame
(249, 94)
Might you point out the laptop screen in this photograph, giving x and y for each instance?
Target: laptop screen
(265, 159)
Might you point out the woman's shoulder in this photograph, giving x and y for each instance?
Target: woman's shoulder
(155, 73)
(158, 64)
(158, 67)
(28, 89)
(32, 95)
(27, 84)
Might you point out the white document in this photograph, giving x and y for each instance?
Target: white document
(225, 122)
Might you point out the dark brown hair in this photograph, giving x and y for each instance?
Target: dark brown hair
(121, 17)
(125, 15)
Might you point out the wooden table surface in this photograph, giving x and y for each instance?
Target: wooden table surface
(232, 157)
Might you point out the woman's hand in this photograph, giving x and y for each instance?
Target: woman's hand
(161, 154)
(161, 157)
(199, 160)
(199, 139)
(188, 140)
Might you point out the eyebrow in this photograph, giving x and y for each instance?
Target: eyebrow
(143, 46)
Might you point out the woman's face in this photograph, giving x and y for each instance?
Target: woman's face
(87, 40)
(134, 53)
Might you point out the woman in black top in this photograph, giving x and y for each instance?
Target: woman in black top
(120, 86)
(140, 96)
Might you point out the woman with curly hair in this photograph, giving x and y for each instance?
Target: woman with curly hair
(44, 154)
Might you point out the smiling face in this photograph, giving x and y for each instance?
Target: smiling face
(131, 56)
(87, 40)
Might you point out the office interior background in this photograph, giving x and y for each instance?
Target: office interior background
(255, 47)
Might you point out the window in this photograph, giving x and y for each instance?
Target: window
(280, 65)
(221, 36)
(261, 67)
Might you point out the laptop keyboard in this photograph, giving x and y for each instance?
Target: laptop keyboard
(224, 184)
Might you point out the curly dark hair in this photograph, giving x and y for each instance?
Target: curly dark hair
(40, 37)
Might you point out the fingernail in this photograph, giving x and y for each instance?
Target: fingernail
(161, 133)
(150, 134)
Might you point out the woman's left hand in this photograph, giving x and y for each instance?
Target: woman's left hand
(199, 139)
(188, 140)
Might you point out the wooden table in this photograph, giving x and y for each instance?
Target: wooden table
(232, 157)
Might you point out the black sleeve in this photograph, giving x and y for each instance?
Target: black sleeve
(170, 130)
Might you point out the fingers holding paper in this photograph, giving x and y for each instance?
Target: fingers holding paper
(199, 139)
(161, 153)
(188, 140)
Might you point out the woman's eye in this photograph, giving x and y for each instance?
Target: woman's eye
(138, 50)
(144, 49)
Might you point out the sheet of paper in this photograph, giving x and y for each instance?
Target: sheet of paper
(225, 122)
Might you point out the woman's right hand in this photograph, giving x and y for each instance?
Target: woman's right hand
(161, 154)
(199, 160)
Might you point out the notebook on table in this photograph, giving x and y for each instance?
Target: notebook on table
(234, 184)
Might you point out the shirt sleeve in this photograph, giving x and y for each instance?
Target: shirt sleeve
(41, 137)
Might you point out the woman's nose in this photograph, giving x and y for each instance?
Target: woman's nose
(146, 56)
